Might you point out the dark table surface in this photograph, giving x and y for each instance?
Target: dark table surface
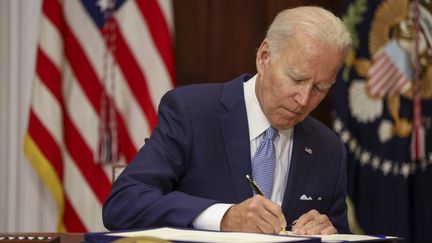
(41, 237)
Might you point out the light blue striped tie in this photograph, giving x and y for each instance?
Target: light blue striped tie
(263, 163)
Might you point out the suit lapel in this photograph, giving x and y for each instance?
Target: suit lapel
(304, 151)
(235, 133)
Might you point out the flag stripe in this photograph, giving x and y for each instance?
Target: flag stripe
(390, 82)
(159, 31)
(72, 221)
(77, 187)
(137, 128)
(400, 86)
(48, 147)
(136, 80)
(86, 118)
(384, 77)
(83, 156)
(167, 10)
(380, 65)
(156, 73)
(76, 65)
(376, 77)
(51, 42)
(48, 110)
(48, 74)
(52, 10)
(386, 81)
(83, 70)
(377, 59)
(79, 151)
(126, 147)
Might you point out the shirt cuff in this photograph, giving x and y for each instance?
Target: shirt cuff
(211, 218)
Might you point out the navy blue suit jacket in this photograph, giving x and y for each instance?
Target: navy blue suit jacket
(199, 154)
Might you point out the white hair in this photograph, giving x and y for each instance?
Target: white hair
(316, 21)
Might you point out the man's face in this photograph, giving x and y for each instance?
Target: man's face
(290, 85)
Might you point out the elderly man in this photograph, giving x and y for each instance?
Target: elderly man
(191, 171)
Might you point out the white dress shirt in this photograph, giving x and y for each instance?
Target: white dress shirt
(210, 218)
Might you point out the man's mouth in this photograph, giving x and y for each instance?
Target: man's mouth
(297, 113)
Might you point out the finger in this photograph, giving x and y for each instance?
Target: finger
(329, 230)
(276, 211)
(305, 218)
(317, 228)
(271, 220)
(299, 231)
(315, 224)
(265, 227)
(311, 228)
(267, 211)
(323, 222)
(319, 225)
(322, 219)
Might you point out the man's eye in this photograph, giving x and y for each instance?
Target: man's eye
(297, 80)
(319, 89)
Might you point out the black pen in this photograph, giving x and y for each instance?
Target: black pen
(254, 186)
(258, 191)
(292, 224)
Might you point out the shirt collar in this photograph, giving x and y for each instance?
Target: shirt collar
(257, 121)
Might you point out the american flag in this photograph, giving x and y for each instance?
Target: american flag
(102, 67)
(390, 72)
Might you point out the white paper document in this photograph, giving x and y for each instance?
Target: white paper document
(207, 236)
(224, 237)
(344, 237)
(347, 237)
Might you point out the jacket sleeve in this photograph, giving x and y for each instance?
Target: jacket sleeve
(145, 193)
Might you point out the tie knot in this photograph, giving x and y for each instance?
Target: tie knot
(270, 133)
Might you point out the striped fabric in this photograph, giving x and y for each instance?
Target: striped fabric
(390, 73)
(264, 162)
(74, 71)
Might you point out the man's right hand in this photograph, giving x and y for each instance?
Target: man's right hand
(257, 214)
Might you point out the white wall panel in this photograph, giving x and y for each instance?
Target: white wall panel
(25, 204)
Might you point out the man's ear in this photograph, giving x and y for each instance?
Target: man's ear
(263, 56)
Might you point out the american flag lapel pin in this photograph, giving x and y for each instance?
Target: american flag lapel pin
(308, 150)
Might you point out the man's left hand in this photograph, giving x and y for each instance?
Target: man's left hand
(313, 223)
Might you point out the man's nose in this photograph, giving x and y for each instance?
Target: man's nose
(303, 95)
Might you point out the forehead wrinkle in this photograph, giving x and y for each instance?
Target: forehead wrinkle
(298, 74)
(293, 69)
(315, 75)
